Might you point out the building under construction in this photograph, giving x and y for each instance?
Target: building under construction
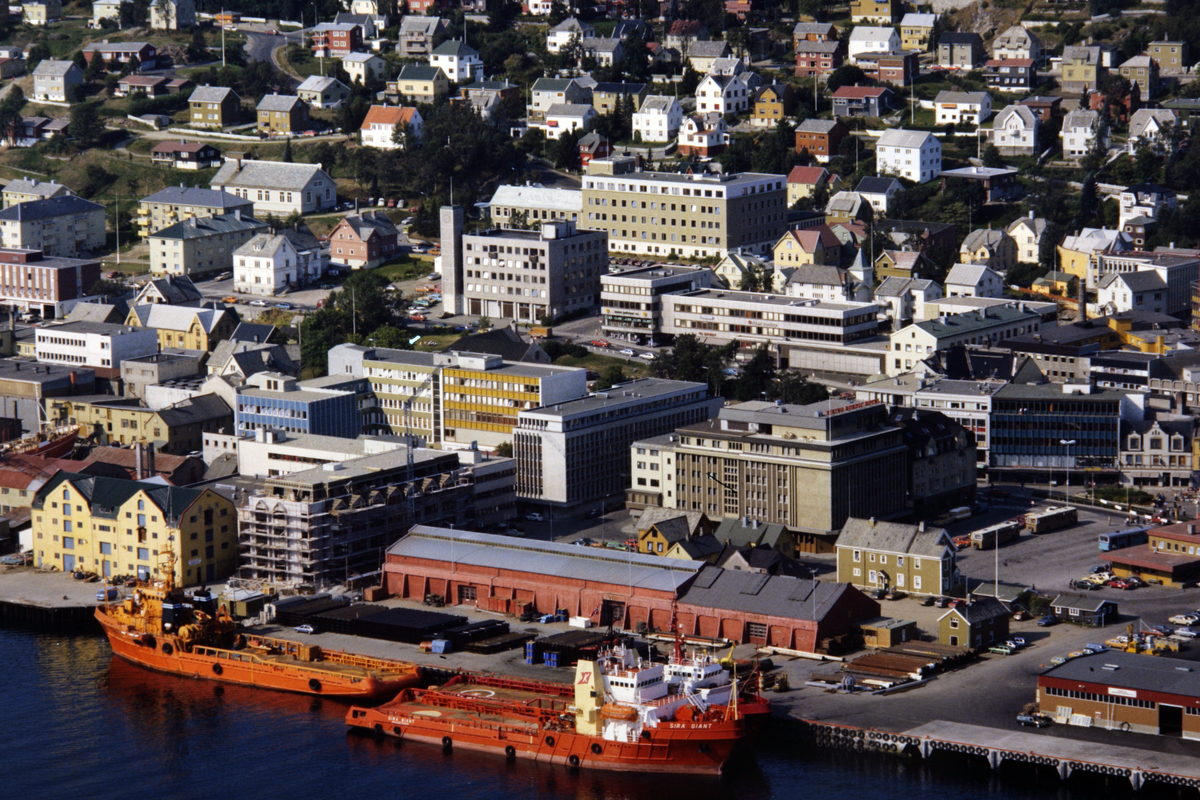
(331, 524)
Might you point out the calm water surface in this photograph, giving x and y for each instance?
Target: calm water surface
(79, 723)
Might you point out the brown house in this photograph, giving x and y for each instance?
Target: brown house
(282, 113)
(820, 137)
(364, 240)
(773, 102)
(185, 155)
(214, 107)
(977, 623)
(818, 57)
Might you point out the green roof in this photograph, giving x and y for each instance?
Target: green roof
(106, 495)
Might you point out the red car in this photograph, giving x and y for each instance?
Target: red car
(1120, 583)
(962, 542)
(417, 317)
(599, 343)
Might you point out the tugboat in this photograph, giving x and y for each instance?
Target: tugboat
(158, 628)
(621, 713)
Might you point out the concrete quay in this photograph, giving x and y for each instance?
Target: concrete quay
(50, 600)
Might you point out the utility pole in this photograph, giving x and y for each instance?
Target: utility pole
(222, 37)
(117, 223)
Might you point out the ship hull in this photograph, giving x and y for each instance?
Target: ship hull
(164, 654)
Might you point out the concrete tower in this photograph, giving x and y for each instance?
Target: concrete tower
(452, 259)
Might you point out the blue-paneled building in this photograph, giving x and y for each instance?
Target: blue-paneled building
(280, 402)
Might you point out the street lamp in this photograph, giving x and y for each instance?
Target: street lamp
(1067, 488)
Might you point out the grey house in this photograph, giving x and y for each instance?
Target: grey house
(963, 50)
(1084, 609)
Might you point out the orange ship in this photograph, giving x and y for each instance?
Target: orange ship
(620, 714)
(157, 628)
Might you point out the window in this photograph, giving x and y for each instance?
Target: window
(857, 556)
(68, 543)
(143, 554)
(954, 622)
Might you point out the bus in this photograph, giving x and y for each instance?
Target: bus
(996, 535)
(1052, 519)
(1126, 538)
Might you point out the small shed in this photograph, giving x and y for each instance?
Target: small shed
(1084, 609)
(879, 632)
(978, 622)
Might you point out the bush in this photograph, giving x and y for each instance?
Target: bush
(166, 104)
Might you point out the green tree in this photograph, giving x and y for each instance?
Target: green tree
(391, 337)
(504, 450)
(847, 75)
(566, 151)
(757, 376)
(1048, 247)
(85, 126)
(792, 387)
(610, 377)
(991, 157)
(320, 332)
(287, 152)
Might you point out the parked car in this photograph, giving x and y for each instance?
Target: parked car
(230, 299)
(417, 317)
(284, 306)
(1012, 643)
(305, 629)
(1187, 633)
(114, 274)
(1036, 719)
(599, 343)
(584, 542)
(928, 600)
(1184, 619)
(433, 276)
(534, 517)
(1021, 614)
(628, 352)
(110, 594)
(942, 602)
(224, 276)
(1001, 650)
(1120, 583)
(649, 356)
(259, 303)
(1019, 640)
(1047, 621)
(961, 542)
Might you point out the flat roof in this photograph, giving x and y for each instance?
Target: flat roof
(774, 300)
(357, 467)
(1132, 671)
(623, 394)
(102, 328)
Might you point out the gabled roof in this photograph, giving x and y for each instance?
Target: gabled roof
(319, 84)
(504, 342)
(368, 224)
(200, 227)
(1145, 281)
(388, 115)
(915, 20)
(818, 125)
(807, 176)
(252, 332)
(860, 92)
(978, 609)
(210, 94)
(894, 537)
(767, 595)
(984, 237)
(197, 197)
(968, 274)
(818, 28)
(1146, 118)
(178, 318)
(267, 175)
(877, 185)
(708, 49)
(105, 495)
(263, 245)
(1080, 119)
(456, 48)
(48, 208)
(279, 102)
(692, 521)
(1082, 602)
(658, 104)
(34, 186)
(417, 72)
(427, 25)
(569, 110)
(553, 84)
(572, 25)
(1028, 119)
(176, 146)
(818, 275)
(872, 33)
(360, 58)
(961, 98)
(176, 290)
(898, 137)
(810, 238)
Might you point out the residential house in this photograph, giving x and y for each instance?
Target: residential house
(185, 155)
(703, 135)
(994, 248)
(862, 101)
(960, 49)
(820, 137)
(1152, 127)
(702, 55)
(334, 40)
(813, 32)
(658, 119)
(847, 206)
(1018, 43)
(904, 264)
(1055, 282)
(1015, 131)
(380, 125)
(905, 298)
(184, 326)
(735, 268)
(282, 113)
(875, 554)
(807, 246)
(985, 326)
(214, 107)
(417, 34)
(1081, 131)
(1132, 291)
(172, 15)
(319, 91)
(106, 9)
(1080, 254)
(973, 280)
(975, 624)
(41, 12)
(867, 39)
(201, 245)
(1157, 452)
(372, 24)
(418, 84)
(753, 534)
(726, 94)
(1144, 200)
(547, 92)
(100, 536)
(898, 68)
(178, 429)
(804, 181)
(276, 187)
(825, 282)
(65, 226)
(24, 190)
(916, 155)
(593, 145)
(173, 290)
(1082, 68)
(604, 50)
(363, 68)
(999, 183)
(458, 60)
(1011, 74)
(916, 31)
(364, 240)
(965, 107)
(658, 529)
(12, 62)
(605, 96)
(177, 203)
(489, 97)
(881, 12)
(1046, 108)
(144, 53)
(141, 86)
(271, 263)
(563, 117)
(818, 57)
(1120, 109)
(570, 29)
(772, 103)
(1026, 233)
(879, 192)
(1171, 57)
(682, 32)
(1142, 70)
(1087, 609)
(53, 80)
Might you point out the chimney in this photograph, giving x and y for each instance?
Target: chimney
(921, 526)
(1081, 312)
(150, 470)
(138, 474)
(872, 521)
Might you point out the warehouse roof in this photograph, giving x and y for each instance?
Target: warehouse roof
(551, 559)
(894, 537)
(757, 593)
(1131, 671)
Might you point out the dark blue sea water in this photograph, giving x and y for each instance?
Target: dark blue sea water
(79, 723)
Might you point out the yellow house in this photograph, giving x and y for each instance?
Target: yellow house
(420, 84)
(178, 429)
(807, 246)
(772, 103)
(882, 12)
(113, 526)
(660, 529)
(916, 31)
(183, 326)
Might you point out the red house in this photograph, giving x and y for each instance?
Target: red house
(364, 240)
(335, 40)
(818, 57)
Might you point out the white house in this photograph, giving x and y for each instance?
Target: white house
(872, 39)
(956, 107)
(916, 155)
(562, 117)
(1144, 200)
(1080, 130)
(276, 187)
(106, 9)
(570, 28)
(879, 191)
(93, 344)
(658, 119)
(1132, 291)
(905, 298)
(1027, 233)
(726, 94)
(53, 80)
(607, 51)
(269, 263)
(379, 126)
(458, 60)
(1150, 126)
(826, 283)
(1017, 42)
(1015, 131)
(703, 134)
(363, 67)
(973, 280)
(172, 15)
(322, 92)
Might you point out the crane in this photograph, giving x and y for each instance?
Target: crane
(408, 442)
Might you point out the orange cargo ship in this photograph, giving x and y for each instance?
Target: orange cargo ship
(156, 628)
(620, 714)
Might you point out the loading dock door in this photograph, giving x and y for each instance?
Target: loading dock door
(1170, 720)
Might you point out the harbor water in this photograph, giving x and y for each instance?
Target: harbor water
(80, 723)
